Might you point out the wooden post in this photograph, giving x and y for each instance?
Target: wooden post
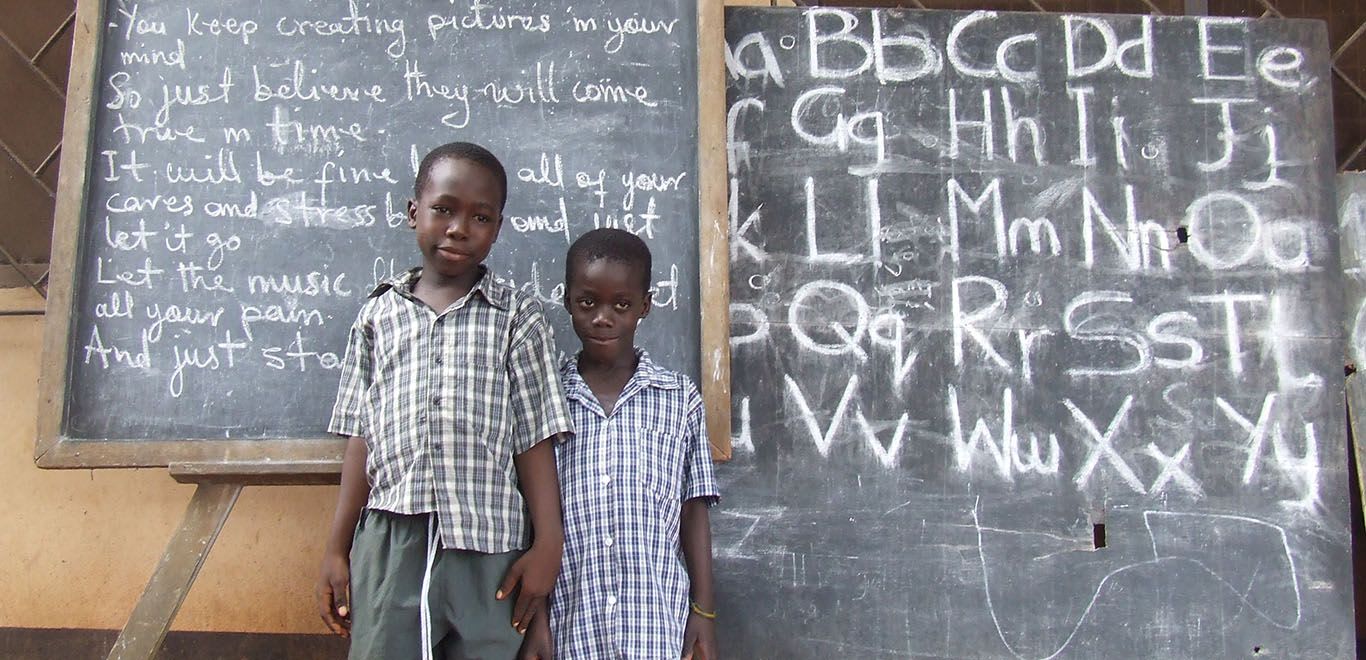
(161, 600)
(219, 485)
(1356, 409)
(714, 224)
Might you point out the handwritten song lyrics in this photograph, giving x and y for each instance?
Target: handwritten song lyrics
(251, 165)
(999, 280)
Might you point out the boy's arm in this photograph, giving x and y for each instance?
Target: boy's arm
(699, 493)
(696, 539)
(540, 418)
(538, 567)
(695, 532)
(334, 580)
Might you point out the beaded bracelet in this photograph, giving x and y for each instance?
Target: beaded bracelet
(697, 609)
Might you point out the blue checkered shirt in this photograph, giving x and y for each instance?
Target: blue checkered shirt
(445, 400)
(623, 587)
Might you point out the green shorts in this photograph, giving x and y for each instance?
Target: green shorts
(388, 562)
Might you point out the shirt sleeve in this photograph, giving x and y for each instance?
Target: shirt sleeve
(348, 413)
(539, 409)
(699, 473)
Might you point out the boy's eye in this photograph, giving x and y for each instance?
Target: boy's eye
(585, 302)
(623, 305)
(483, 218)
(441, 209)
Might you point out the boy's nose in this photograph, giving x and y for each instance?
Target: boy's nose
(456, 228)
(602, 319)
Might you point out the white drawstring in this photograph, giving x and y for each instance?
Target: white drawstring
(425, 611)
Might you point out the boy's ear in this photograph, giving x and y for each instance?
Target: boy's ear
(412, 214)
(649, 304)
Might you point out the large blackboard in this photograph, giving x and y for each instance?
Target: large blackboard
(1036, 332)
(249, 165)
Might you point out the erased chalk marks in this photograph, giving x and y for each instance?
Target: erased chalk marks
(1267, 585)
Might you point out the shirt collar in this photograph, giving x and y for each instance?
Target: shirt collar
(654, 374)
(494, 291)
(647, 374)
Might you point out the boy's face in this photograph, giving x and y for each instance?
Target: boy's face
(605, 300)
(456, 217)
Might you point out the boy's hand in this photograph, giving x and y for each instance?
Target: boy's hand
(536, 571)
(538, 644)
(334, 593)
(699, 638)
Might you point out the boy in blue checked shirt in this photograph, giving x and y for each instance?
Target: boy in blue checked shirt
(447, 392)
(637, 479)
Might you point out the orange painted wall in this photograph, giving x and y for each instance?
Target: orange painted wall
(77, 546)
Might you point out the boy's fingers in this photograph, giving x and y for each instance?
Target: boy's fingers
(344, 610)
(334, 606)
(524, 622)
(331, 622)
(510, 581)
(335, 626)
(344, 602)
(341, 597)
(519, 611)
(325, 606)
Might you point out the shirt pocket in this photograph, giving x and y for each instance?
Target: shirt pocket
(659, 463)
(393, 353)
(478, 387)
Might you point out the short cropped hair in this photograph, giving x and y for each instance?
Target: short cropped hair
(461, 151)
(613, 244)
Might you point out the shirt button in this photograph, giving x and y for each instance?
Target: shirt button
(421, 419)
(438, 359)
(436, 400)
(606, 479)
(607, 541)
(611, 600)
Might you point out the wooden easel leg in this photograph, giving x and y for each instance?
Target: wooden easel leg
(1356, 394)
(146, 628)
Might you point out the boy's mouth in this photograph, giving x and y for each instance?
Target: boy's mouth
(452, 253)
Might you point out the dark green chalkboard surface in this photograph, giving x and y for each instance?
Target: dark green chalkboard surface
(244, 182)
(1037, 339)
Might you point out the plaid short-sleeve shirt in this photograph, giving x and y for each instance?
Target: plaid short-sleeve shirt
(445, 400)
(623, 586)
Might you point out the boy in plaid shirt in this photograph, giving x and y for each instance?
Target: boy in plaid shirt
(447, 393)
(637, 479)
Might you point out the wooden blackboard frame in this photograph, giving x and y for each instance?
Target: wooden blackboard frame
(55, 449)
